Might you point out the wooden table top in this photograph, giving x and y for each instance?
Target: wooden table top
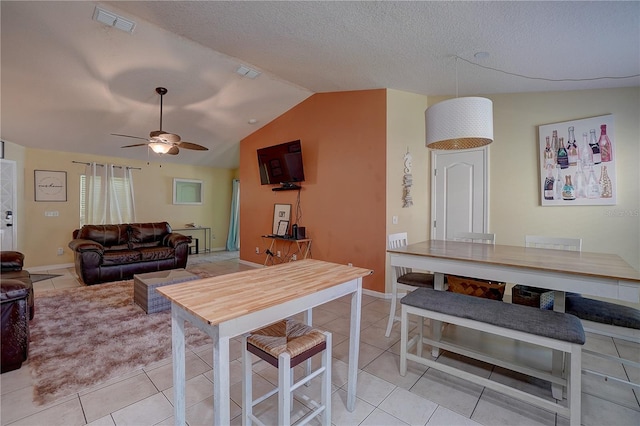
(224, 297)
(610, 266)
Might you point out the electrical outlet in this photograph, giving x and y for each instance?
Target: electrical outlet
(257, 250)
(394, 219)
(349, 264)
(294, 257)
(213, 236)
(278, 253)
(60, 251)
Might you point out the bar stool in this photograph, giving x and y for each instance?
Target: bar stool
(284, 345)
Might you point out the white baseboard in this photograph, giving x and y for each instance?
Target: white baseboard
(50, 267)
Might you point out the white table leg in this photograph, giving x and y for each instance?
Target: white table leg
(178, 355)
(557, 357)
(354, 346)
(220, 379)
(308, 319)
(436, 326)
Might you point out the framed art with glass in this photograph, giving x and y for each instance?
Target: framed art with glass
(280, 212)
(283, 228)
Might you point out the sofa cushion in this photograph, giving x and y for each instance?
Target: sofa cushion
(145, 234)
(119, 257)
(156, 253)
(115, 237)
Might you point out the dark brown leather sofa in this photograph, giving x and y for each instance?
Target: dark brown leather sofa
(106, 253)
(17, 308)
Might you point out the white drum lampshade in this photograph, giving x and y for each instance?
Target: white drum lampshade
(459, 123)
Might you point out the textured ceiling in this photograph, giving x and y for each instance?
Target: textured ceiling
(68, 81)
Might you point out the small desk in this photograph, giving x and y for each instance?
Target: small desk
(205, 230)
(230, 305)
(302, 249)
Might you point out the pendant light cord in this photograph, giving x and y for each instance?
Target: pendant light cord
(537, 78)
(457, 57)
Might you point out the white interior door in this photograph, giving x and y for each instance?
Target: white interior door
(8, 203)
(458, 192)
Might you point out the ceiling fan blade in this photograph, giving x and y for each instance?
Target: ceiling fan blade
(173, 151)
(190, 145)
(127, 136)
(137, 144)
(170, 137)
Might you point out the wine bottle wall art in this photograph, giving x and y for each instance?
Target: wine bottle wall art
(577, 162)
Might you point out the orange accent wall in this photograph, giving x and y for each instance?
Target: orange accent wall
(343, 198)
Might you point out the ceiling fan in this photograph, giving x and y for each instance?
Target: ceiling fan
(162, 142)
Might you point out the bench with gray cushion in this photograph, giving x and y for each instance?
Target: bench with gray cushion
(612, 315)
(550, 329)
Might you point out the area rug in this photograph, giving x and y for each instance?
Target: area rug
(84, 336)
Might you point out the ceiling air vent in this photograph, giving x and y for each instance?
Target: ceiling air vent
(247, 72)
(113, 20)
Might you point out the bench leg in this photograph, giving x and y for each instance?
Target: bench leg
(575, 385)
(436, 326)
(404, 338)
(557, 357)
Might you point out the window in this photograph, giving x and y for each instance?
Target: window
(105, 198)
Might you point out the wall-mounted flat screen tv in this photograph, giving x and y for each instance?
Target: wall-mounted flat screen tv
(281, 164)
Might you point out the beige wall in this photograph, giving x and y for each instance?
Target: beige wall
(406, 131)
(515, 208)
(41, 236)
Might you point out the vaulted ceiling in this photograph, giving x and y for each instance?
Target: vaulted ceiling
(68, 81)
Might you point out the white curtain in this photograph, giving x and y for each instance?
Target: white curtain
(107, 195)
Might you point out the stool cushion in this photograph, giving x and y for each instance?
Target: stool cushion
(417, 279)
(286, 336)
(603, 312)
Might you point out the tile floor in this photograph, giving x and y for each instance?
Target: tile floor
(422, 397)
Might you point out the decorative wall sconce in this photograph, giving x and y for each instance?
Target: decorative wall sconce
(407, 181)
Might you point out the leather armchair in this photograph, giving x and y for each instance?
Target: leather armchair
(11, 263)
(16, 309)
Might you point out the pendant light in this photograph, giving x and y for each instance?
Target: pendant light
(459, 123)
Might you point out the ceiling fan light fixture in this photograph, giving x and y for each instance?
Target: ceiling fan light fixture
(159, 147)
(459, 123)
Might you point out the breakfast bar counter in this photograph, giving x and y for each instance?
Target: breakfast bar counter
(226, 306)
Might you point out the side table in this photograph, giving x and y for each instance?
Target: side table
(295, 249)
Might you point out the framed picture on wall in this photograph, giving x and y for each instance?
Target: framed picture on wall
(578, 162)
(187, 191)
(280, 212)
(50, 185)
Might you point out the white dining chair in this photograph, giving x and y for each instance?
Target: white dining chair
(556, 243)
(598, 317)
(475, 237)
(403, 278)
(553, 243)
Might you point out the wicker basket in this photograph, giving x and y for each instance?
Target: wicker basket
(475, 287)
(532, 296)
